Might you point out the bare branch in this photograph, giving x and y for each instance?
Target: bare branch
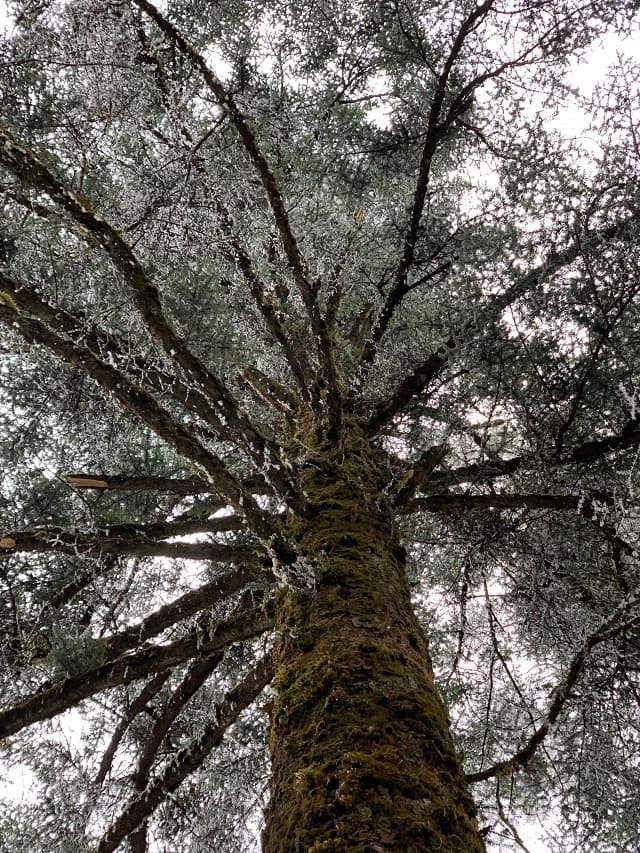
(136, 707)
(189, 758)
(492, 469)
(415, 383)
(197, 673)
(264, 387)
(507, 822)
(592, 450)
(130, 540)
(437, 126)
(180, 486)
(187, 486)
(415, 479)
(196, 600)
(323, 338)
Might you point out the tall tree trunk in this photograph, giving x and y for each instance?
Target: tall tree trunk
(362, 756)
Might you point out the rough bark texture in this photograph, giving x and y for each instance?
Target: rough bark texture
(362, 757)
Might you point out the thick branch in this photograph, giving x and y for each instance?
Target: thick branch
(113, 349)
(140, 403)
(416, 478)
(189, 758)
(322, 336)
(130, 541)
(24, 163)
(180, 486)
(492, 469)
(272, 392)
(625, 229)
(197, 673)
(415, 383)
(185, 486)
(54, 699)
(187, 605)
(592, 450)
(238, 254)
(436, 128)
(238, 120)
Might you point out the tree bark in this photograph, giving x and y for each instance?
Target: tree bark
(362, 755)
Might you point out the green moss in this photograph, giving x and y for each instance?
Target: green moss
(347, 509)
(359, 736)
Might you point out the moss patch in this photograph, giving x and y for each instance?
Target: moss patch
(360, 742)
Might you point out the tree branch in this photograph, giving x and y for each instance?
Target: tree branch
(592, 450)
(415, 383)
(141, 404)
(189, 758)
(419, 473)
(323, 338)
(436, 128)
(132, 541)
(53, 699)
(272, 392)
(582, 454)
(622, 618)
(146, 297)
(238, 120)
(184, 486)
(434, 133)
(192, 602)
(275, 320)
(136, 707)
(455, 503)
(106, 482)
(427, 371)
(197, 673)
(105, 344)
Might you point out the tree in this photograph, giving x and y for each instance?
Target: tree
(320, 338)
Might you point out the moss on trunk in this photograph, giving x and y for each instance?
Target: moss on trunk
(362, 756)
